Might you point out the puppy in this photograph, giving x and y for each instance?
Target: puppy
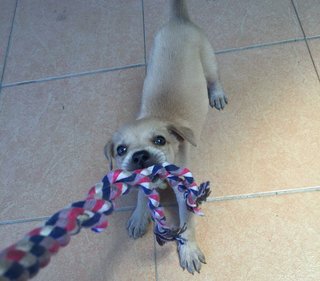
(182, 78)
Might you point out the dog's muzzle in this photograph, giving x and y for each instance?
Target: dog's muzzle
(141, 158)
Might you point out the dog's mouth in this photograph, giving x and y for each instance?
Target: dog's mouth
(134, 166)
(161, 184)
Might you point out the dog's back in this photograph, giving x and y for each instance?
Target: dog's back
(175, 88)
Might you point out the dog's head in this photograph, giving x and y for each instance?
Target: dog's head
(146, 142)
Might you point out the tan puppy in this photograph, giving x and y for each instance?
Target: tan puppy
(182, 76)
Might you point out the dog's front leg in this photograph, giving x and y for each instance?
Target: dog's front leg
(190, 254)
(140, 218)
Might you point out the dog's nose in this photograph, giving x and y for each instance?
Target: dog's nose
(140, 157)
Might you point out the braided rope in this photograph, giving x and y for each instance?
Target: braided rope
(23, 260)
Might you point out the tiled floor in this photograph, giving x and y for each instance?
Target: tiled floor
(72, 71)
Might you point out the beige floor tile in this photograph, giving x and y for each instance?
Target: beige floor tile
(52, 138)
(268, 136)
(232, 23)
(58, 37)
(315, 50)
(264, 239)
(308, 11)
(110, 255)
(6, 15)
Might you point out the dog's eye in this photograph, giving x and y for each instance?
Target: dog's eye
(121, 150)
(159, 140)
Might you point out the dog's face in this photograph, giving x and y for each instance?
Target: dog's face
(146, 142)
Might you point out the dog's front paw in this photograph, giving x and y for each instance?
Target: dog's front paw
(138, 223)
(191, 257)
(217, 98)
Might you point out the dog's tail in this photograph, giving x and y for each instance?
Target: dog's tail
(178, 10)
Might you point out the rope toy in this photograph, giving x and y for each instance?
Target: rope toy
(23, 260)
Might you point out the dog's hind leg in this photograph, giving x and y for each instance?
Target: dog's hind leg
(217, 97)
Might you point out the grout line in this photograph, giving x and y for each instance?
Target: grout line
(17, 221)
(155, 259)
(314, 37)
(231, 50)
(263, 194)
(105, 70)
(144, 33)
(209, 200)
(8, 46)
(305, 39)
(73, 75)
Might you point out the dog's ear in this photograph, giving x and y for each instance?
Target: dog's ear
(182, 133)
(108, 152)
